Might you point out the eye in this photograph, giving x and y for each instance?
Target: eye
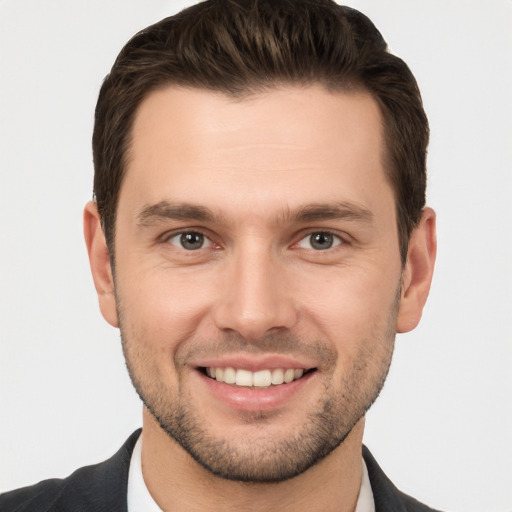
(190, 241)
(320, 241)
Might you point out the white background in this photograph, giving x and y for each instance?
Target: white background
(441, 429)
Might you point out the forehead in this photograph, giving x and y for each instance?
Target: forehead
(290, 145)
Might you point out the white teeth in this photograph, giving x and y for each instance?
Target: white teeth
(243, 378)
(229, 376)
(289, 375)
(261, 378)
(277, 376)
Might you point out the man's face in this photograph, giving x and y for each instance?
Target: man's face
(256, 241)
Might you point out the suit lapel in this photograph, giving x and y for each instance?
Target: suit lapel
(386, 496)
(99, 488)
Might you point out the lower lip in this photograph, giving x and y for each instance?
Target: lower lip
(253, 399)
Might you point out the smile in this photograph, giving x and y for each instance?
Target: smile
(258, 379)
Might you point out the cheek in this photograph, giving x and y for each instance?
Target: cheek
(349, 299)
(356, 314)
(162, 306)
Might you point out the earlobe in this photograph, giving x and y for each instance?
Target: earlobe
(418, 271)
(99, 260)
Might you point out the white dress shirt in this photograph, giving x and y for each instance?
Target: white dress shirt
(140, 500)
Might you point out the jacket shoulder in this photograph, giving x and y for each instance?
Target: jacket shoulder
(98, 488)
(34, 497)
(386, 496)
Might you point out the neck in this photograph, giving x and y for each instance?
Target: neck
(177, 482)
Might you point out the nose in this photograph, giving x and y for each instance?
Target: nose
(255, 299)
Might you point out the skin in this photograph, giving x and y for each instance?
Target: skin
(258, 294)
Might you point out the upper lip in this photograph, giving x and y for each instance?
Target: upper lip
(256, 363)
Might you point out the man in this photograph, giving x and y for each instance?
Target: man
(259, 235)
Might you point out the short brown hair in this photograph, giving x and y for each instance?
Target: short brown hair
(240, 47)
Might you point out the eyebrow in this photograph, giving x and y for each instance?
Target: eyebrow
(307, 213)
(337, 211)
(176, 211)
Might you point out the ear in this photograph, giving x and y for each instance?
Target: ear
(418, 271)
(99, 259)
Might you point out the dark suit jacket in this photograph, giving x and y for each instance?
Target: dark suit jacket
(103, 488)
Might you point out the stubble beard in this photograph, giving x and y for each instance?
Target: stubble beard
(259, 459)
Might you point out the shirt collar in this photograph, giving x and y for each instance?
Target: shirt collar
(140, 500)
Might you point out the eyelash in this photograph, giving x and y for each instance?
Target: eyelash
(168, 237)
(341, 239)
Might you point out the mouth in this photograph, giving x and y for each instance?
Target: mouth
(261, 379)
